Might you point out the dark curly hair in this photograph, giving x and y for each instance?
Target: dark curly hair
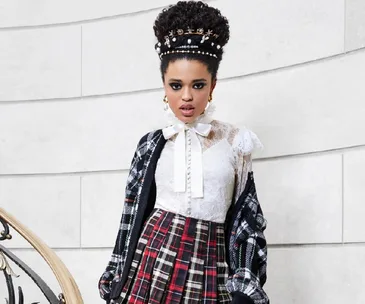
(193, 15)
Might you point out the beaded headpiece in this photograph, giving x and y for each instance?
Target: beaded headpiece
(193, 41)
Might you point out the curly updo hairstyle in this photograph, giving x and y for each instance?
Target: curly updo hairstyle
(173, 25)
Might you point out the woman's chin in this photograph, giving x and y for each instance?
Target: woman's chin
(187, 119)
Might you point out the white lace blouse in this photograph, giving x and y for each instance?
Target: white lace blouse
(225, 161)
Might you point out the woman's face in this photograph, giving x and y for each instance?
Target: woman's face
(188, 85)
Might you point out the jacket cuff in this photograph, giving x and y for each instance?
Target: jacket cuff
(241, 298)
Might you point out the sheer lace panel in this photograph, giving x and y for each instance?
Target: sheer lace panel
(226, 163)
(220, 131)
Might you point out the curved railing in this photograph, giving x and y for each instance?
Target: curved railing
(70, 292)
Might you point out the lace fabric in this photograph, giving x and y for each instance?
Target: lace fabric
(226, 154)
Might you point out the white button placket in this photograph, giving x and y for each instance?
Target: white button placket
(188, 172)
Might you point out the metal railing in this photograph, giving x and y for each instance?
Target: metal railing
(70, 292)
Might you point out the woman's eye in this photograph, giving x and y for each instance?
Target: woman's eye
(175, 86)
(199, 85)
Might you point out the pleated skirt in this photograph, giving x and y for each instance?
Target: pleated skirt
(178, 260)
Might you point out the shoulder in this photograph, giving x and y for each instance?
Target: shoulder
(242, 139)
(151, 136)
(148, 141)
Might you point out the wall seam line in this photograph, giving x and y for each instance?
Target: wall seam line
(81, 62)
(80, 181)
(344, 25)
(78, 22)
(125, 170)
(84, 21)
(55, 174)
(158, 89)
(343, 197)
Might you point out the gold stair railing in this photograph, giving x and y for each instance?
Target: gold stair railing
(70, 291)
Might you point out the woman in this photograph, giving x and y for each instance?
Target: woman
(192, 228)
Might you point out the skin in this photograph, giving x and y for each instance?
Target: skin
(188, 84)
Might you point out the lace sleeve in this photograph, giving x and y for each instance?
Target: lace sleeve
(244, 143)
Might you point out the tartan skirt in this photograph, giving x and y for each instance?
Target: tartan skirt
(178, 259)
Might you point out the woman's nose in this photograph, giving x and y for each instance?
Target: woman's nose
(187, 96)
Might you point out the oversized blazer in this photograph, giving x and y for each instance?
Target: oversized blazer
(244, 229)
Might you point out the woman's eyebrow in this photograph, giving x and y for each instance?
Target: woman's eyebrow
(180, 81)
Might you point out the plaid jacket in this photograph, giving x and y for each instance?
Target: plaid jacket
(244, 224)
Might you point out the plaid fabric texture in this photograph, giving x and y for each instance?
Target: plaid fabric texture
(133, 189)
(248, 256)
(178, 262)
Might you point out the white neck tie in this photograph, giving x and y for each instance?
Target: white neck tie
(179, 128)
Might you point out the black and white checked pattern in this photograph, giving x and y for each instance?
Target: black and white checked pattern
(147, 232)
(247, 257)
(140, 161)
(222, 267)
(178, 263)
(195, 279)
(166, 259)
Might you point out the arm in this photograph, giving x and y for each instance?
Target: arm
(248, 251)
(249, 260)
(115, 266)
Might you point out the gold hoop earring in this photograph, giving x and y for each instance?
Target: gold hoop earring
(210, 98)
(166, 106)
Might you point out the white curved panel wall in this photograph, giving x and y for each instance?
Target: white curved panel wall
(272, 34)
(49, 206)
(355, 25)
(40, 64)
(114, 57)
(329, 274)
(300, 110)
(313, 107)
(74, 136)
(119, 55)
(42, 12)
(354, 196)
(296, 193)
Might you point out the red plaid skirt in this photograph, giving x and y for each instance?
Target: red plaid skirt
(178, 260)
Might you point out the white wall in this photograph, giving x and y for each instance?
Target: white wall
(75, 76)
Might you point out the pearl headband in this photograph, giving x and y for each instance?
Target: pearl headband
(188, 44)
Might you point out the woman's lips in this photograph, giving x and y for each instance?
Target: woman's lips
(187, 110)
